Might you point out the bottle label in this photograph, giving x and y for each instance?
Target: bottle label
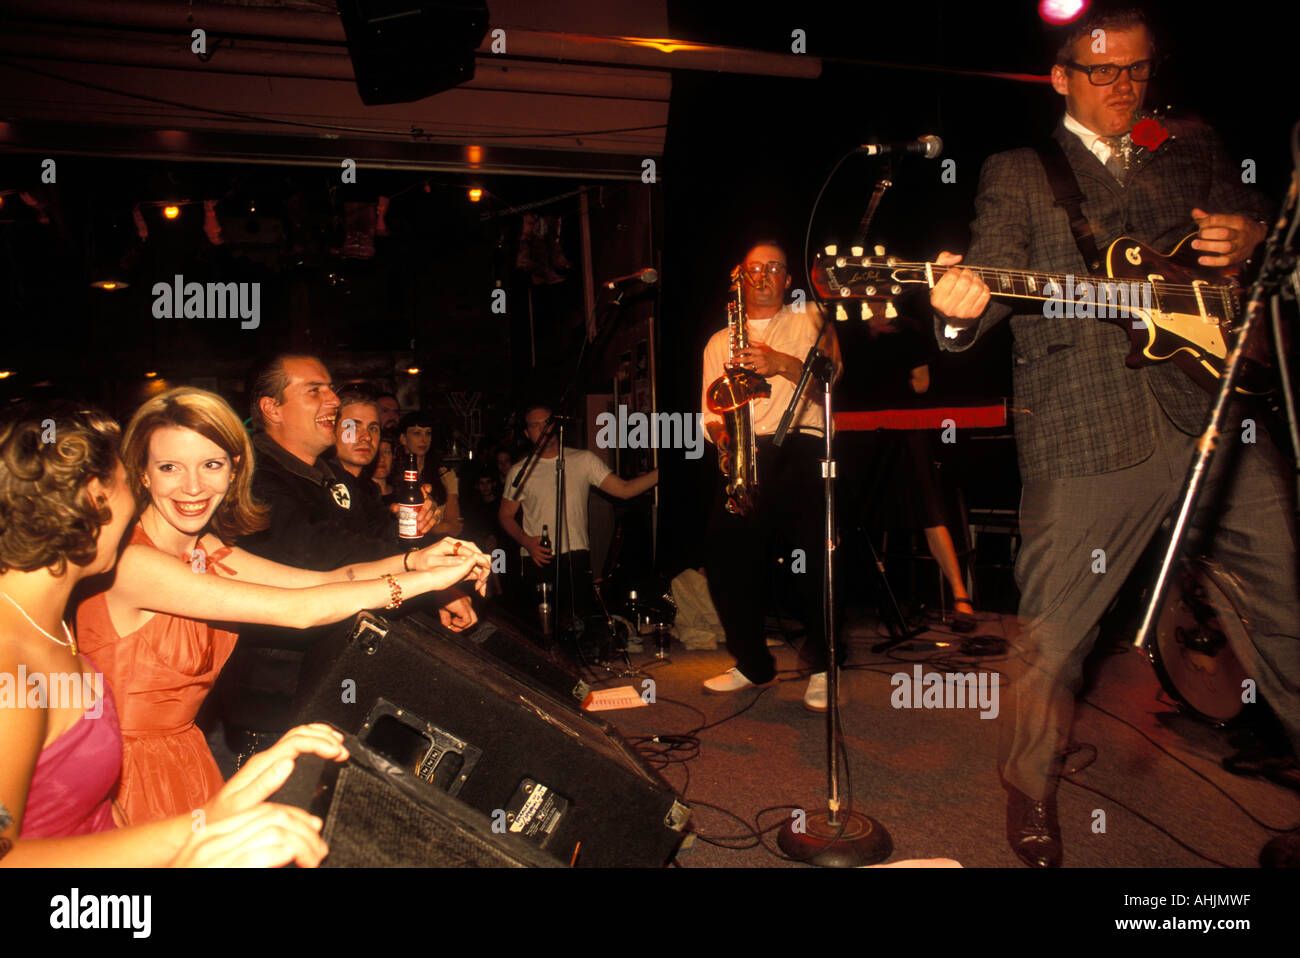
(406, 522)
(410, 475)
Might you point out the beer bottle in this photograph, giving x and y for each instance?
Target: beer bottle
(410, 499)
(546, 539)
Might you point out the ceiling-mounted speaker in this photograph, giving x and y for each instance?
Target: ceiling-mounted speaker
(403, 50)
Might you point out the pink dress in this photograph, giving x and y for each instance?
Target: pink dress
(72, 785)
(161, 674)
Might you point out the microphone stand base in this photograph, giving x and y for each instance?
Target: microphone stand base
(861, 841)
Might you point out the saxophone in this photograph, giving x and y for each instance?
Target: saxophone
(729, 396)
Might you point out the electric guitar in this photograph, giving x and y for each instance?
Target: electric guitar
(1171, 307)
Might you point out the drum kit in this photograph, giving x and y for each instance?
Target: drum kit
(1200, 626)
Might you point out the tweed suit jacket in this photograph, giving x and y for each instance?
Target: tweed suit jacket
(1078, 410)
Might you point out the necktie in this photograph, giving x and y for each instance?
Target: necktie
(1121, 152)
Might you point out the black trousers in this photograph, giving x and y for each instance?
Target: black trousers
(575, 599)
(741, 551)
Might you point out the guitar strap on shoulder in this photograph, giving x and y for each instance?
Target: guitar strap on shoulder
(1065, 188)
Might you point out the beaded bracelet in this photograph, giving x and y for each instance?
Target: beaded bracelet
(395, 589)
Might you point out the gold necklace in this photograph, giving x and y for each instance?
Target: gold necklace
(71, 643)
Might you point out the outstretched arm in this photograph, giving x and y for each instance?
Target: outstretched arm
(149, 580)
(629, 488)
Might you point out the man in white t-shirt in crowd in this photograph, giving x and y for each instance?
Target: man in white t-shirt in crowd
(536, 495)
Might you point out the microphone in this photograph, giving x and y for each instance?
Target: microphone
(928, 146)
(645, 277)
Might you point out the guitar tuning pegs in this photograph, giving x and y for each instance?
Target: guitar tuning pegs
(855, 250)
(890, 312)
(880, 250)
(866, 310)
(832, 249)
(841, 314)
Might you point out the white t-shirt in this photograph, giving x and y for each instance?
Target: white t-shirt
(787, 332)
(582, 470)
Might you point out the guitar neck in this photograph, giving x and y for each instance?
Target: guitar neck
(1014, 283)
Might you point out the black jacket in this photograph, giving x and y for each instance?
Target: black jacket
(317, 523)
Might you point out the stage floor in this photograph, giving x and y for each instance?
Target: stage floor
(1156, 795)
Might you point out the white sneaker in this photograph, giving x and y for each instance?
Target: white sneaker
(814, 699)
(733, 681)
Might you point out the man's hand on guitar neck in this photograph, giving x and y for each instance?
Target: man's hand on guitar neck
(1228, 238)
(959, 295)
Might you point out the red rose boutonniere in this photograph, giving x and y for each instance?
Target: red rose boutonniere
(1149, 134)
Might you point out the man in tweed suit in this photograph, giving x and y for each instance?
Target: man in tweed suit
(1103, 448)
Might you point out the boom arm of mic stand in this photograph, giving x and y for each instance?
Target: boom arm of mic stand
(824, 370)
(884, 183)
(542, 440)
(816, 362)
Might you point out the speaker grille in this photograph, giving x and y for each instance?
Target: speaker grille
(372, 825)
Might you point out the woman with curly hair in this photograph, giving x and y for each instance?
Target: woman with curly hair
(64, 506)
(161, 631)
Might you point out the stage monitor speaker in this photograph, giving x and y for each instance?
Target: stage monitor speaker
(404, 50)
(378, 815)
(526, 757)
(503, 638)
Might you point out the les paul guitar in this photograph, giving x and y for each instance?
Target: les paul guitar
(1171, 307)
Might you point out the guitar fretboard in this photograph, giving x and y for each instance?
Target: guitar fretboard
(1023, 284)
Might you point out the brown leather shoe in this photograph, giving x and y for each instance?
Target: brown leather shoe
(1033, 829)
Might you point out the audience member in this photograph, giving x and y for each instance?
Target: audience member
(65, 504)
(158, 631)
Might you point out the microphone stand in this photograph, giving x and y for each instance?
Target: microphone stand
(1277, 263)
(890, 612)
(838, 837)
(556, 426)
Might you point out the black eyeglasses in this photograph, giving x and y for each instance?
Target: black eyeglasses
(1104, 74)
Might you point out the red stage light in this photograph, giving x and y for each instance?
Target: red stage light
(1061, 11)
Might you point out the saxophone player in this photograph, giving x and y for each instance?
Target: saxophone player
(786, 512)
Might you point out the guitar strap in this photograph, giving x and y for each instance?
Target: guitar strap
(1065, 188)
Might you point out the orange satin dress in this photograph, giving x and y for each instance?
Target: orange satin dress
(160, 674)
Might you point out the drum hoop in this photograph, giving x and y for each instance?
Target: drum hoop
(1229, 587)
